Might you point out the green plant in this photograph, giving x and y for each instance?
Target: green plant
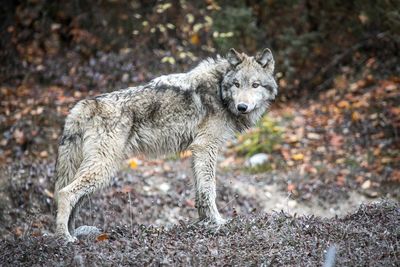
(264, 138)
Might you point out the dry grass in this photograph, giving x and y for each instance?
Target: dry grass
(367, 237)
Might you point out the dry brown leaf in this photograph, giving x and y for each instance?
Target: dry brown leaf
(195, 39)
(341, 180)
(298, 156)
(395, 177)
(285, 153)
(355, 116)
(344, 104)
(102, 237)
(190, 203)
(18, 231)
(291, 187)
(19, 136)
(44, 154)
(336, 140)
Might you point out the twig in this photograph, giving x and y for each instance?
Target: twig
(330, 257)
(130, 212)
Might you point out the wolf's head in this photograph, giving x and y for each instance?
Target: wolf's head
(249, 86)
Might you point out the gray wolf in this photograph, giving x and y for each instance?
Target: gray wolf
(195, 111)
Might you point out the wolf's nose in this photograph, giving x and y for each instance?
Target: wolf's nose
(242, 107)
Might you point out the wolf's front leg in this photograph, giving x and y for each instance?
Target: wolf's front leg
(203, 165)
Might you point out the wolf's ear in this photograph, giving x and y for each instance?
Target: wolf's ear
(266, 60)
(233, 57)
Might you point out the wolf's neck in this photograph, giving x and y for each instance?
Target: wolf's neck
(207, 74)
(209, 71)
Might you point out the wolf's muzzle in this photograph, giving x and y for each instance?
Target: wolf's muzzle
(242, 107)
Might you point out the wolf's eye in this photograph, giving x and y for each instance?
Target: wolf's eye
(236, 84)
(255, 85)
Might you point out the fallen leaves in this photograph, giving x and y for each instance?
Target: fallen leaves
(341, 180)
(44, 154)
(343, 104)
(102, 237)
(30, 117)
(190, 203)
(336, 141)
(356, 116)
(298, 156)
(19, 136)
(395, 177)
(133, 163)
(195, 39)
(291, 187)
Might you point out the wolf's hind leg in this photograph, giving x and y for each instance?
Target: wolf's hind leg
(94, 173)
(69, 156)
(74, 214)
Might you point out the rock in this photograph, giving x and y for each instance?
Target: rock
(164, 187)
(125, 77)
(313, 136)
(87, 231)
(366, 184)
(292, 203)
(257, 159)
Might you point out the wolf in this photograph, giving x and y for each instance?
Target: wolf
(197, 111)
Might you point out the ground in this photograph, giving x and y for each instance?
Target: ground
(269, 239)
(146, 216)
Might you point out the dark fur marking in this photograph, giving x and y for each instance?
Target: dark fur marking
(187, 97)
(70, 138)
(209, 102)
(163, 87)
(153, 110)
(135, 124)
(241, 123)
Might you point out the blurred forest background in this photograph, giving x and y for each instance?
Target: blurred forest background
(334, 129)
(313, 41)
(337, 64)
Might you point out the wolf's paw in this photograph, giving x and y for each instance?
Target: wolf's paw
(66, 237)
(211, 223)
(220, 221)
(87, 231)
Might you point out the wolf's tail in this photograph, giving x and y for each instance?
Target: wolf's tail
(70, 148)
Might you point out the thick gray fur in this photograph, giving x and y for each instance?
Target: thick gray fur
(196, 111)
